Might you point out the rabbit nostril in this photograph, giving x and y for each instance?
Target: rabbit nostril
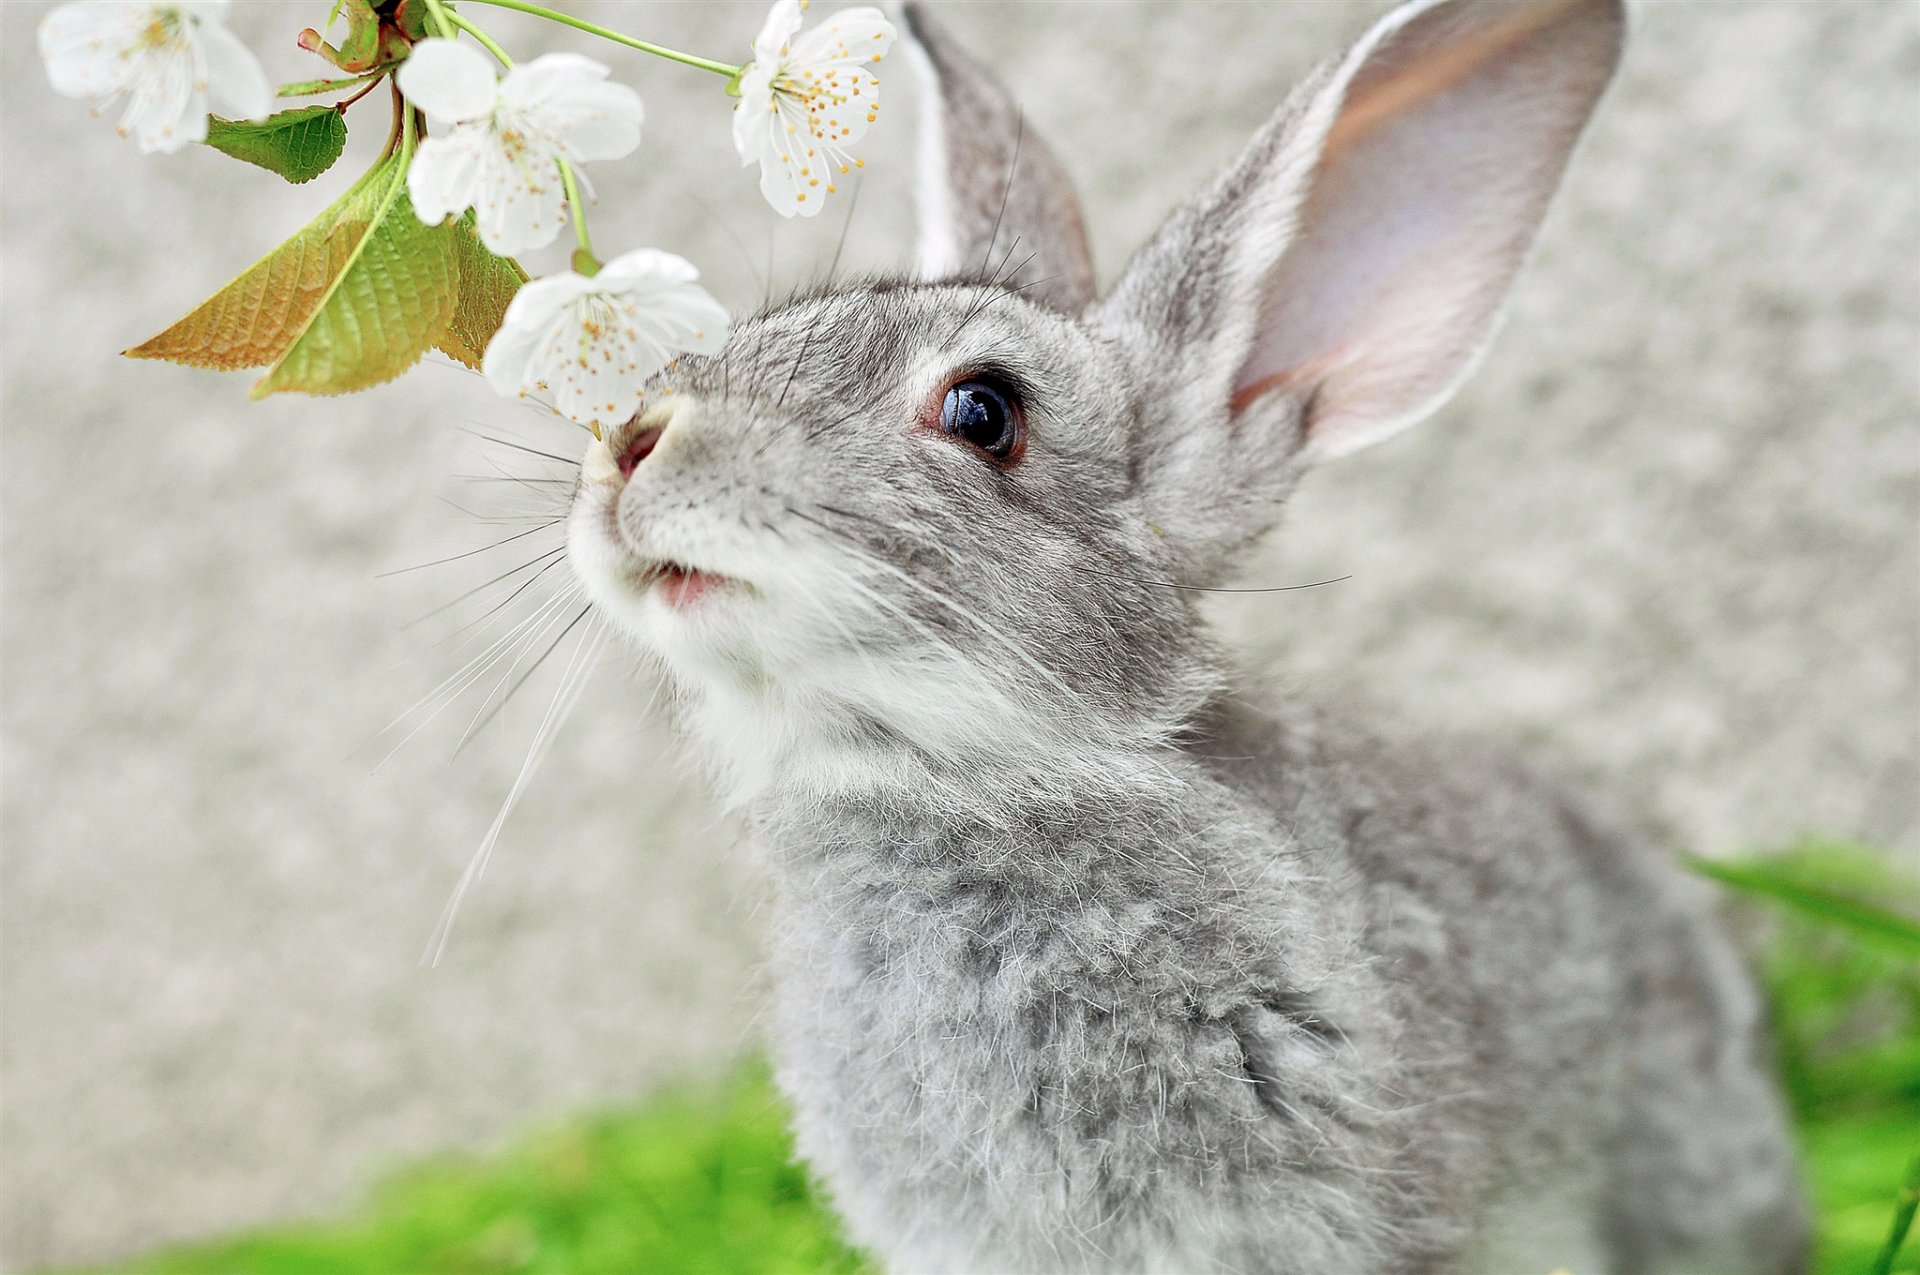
(637, 450)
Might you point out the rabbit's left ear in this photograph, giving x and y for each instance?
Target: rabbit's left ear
(1341, 278)
(994, 201)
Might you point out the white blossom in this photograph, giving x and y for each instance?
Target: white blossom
(593, 341)
(167, 59)
(494, 145)
(806, 100)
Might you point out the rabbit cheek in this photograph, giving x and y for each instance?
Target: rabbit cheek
(599, 560)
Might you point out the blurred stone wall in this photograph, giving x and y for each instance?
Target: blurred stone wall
(1666, 539)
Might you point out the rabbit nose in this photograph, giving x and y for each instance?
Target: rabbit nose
(635, 442)
(638, 448)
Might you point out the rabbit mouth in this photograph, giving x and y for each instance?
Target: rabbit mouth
(683, 587)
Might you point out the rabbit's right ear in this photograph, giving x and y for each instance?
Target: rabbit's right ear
(1341, 278)
(994, 201)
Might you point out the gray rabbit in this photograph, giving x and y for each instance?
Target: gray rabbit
(1086, 959)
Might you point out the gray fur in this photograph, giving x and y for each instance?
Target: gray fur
(1086, 959)
(992, 195)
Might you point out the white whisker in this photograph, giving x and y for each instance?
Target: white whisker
(526, 632)
(573, 682)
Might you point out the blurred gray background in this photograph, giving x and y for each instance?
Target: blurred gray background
(1668, 539)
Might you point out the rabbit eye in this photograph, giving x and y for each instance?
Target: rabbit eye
(985, 415)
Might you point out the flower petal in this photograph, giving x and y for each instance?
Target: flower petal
(595, 121)
(236, 82)
(444, 177)
(518, 200)
(838, 120)
(530, 84)
(166, 101)
(599, 369)
(751, 111)
(450, 81)
(833, 67)
(800, 115)
(782, 21)
(645, 269)
(698, 321)
(792, 176)
(564, 99)
(849, 38)
(594, 343)
(89, 47)
(526, 327)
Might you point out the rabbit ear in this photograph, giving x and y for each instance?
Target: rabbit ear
(1341, 278)
(993, 199)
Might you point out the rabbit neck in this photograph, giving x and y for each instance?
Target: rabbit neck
(1003, 816)
(882, 738)
(1094, 832)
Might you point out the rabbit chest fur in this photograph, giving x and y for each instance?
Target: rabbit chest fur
(1087, 960)
(1293, 1000)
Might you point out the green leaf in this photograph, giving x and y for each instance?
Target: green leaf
(299, 144)
(487, 284)
(1904, 1208)
(1879, 925)
(390, 303)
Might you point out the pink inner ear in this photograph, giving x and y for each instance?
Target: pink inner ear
(1245, 392)
(1380, 93)
(1449, 141)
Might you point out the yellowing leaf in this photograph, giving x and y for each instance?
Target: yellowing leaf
(299, 144)
(389, 305)
(487, 284)
(252, 321)
(355, 298)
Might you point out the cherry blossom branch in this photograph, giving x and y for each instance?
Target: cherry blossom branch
(372, 84)
(606, 33)
(501, 131)
(409, 132)
(404, 120)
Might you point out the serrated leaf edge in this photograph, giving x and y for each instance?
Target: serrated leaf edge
(359, 184)
(309, 114)
(465, 230)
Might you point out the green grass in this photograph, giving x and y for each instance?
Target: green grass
(699, 1181)
(1841, 962)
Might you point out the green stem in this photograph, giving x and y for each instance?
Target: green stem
(342, 106)
(584, 261)
(403, 114)
(580, 24)
(441, 19)
(486, 41)
(387, 201)
(309, 88)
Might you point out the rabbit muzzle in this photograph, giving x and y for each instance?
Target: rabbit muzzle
(642, 567)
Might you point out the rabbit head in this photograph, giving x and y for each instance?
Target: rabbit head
(957, 521)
